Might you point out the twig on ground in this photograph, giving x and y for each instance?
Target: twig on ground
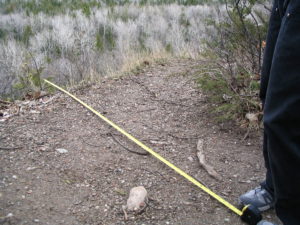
(167, 179)
(142, 210)
(171, 103)
(246, 134)
(118, 142)
(10, 148)
(125, 213)
(183, 137)
(200, 154)
(146, 110)
(92, 145)
(161, 131)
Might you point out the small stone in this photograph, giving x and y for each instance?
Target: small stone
(30, 168)
(36, 220)
(35, 112)
(62, 150)
(137, 198)
(227, 220)
(190, 158)
(9, 215)
(252, 117)
(97, 207)
(15, 177)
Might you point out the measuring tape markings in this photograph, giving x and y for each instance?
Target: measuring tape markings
(153, 153)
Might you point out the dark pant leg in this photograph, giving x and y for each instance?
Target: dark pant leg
(282, 117)
(268, 182)
(273, 30)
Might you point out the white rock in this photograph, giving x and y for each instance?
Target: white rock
(227, 220)
(252, 117)
(9, 215)
(137, 198)
(30, 168)
(62, 150)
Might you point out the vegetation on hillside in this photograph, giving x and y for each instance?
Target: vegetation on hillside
(63, 6)
(75, 40)
(85, 45)
(235, 50)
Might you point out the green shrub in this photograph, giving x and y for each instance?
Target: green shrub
(30, 81)
(26, 34)
(142, 36)
(169, 48)
(85, 8)
(99, 42)
(3, 33)
(105, 38)
(234, 53)
(53, 7)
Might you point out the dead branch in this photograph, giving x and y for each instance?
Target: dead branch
(10, 148)
(200, 154)
(125, 213)
(129, 150)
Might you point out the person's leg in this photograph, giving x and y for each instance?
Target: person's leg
(282, 117)
(262, 197)
(273, 31)
(268, 182)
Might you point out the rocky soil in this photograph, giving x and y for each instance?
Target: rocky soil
(60, 164)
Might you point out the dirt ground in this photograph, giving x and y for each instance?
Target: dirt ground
(90, 181)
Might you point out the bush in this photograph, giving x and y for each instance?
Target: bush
(3, 34)
(74, 46)
(234, 49)
(105, 38)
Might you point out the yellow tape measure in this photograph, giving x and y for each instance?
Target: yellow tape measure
(153, 153)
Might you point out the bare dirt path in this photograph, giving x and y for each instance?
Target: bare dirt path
(90, 182)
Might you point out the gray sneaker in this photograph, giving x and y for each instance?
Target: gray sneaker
(259, 198)
(263, 222)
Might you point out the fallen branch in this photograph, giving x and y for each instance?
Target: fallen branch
(92, 145)
(10, 148)
(125, 213)
(200, 154)
(129, 150)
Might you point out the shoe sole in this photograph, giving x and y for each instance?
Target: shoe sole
(261, 209)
